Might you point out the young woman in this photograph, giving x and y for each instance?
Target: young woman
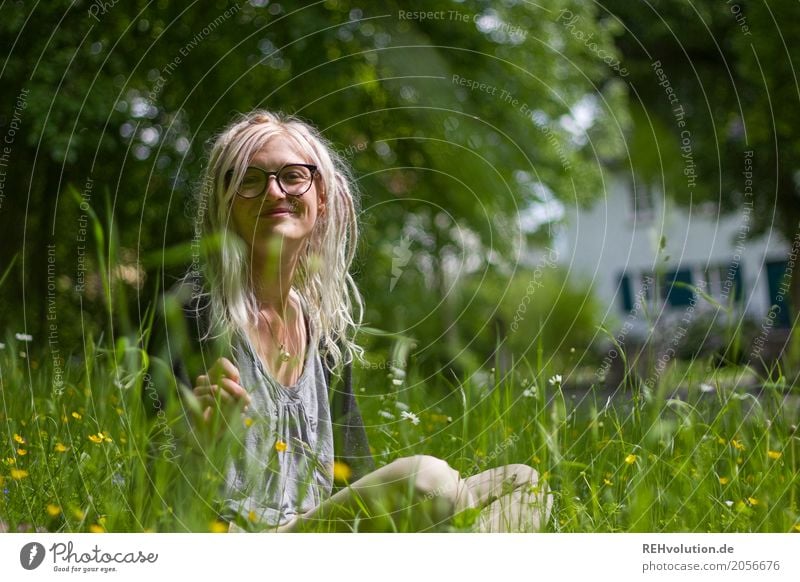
(279, 283)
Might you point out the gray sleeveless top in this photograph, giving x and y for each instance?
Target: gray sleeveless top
(286, 463)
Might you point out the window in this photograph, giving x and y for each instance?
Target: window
(674, 289)
(775, 279)
(625, 292)
(725, 282)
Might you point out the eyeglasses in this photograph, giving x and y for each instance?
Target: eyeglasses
(293, 180)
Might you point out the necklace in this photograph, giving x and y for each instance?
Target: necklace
(283, 354)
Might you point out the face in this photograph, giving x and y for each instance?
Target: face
(276, 217)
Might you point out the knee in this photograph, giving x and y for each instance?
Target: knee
(434, 477)
(519, 474)
(427, 477)
(525, 478)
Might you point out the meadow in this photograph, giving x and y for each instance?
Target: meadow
(696, 451)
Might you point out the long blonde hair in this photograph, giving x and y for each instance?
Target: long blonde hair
(322, 279)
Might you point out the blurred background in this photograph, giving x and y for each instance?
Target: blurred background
(555, 180)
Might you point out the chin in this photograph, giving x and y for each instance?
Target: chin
(270, 234)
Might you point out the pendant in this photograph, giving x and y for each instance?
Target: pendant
(284, 355)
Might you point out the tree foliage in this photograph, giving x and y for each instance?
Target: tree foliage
(455, 123)
(727, 71)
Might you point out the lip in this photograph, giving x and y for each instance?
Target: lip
(276, 213)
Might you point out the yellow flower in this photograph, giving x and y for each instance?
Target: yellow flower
(18, 473)
(721, 440)
(607, 482)
(76, 416)
(737, 445)
(96, 438)
(218, 527)
(724, 480)
(19, 439)
(753, 501)
(10, 461)
(774, 455)
(280, 446)
(341, 471)
(248, 422)
(631, 459)
(77, 514)
(94, 528)
(60, 448)
(22, 452)
(53, 510)
(797, 527)
(252, 516)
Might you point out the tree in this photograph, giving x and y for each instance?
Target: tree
(712, 86)
(455, 117)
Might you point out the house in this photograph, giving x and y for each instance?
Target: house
(631, 234)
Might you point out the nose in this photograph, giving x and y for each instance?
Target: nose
(274, 188)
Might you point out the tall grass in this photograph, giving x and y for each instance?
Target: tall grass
(718, 458)
(693, 452)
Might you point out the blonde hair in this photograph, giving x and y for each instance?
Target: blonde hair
(322, 278)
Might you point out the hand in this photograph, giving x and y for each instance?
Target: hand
(220, 390)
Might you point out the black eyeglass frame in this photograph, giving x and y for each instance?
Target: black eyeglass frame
(312, 167)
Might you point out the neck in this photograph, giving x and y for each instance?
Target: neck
(272, 275)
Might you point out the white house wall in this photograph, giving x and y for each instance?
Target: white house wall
(599, 243)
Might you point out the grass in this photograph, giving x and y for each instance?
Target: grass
(83, 448)
(713, 459)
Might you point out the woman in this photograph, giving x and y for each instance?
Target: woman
(279, 284)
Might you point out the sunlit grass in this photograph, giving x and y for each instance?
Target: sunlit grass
(711, 457)
(103, 443)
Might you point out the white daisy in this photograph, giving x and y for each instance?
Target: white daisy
(410, 416)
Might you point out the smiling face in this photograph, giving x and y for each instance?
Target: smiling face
(276, 215)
